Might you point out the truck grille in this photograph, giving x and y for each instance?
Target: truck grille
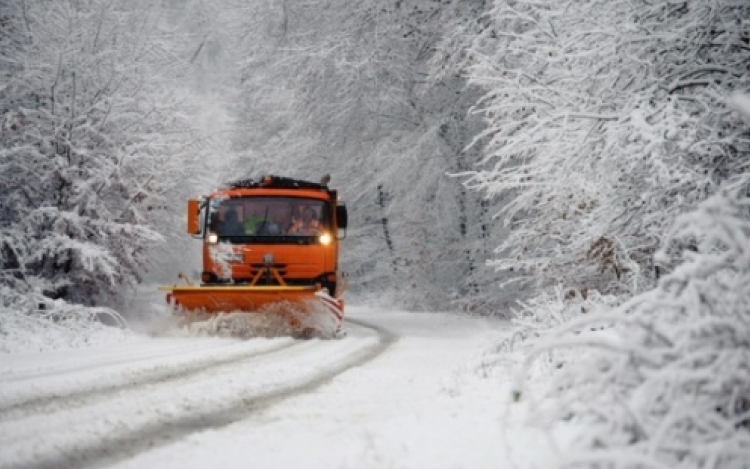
(255, 268)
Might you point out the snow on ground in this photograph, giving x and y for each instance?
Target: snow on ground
(420, 405)
(420, 400)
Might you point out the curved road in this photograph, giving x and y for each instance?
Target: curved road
(405, 390)
(113, 407)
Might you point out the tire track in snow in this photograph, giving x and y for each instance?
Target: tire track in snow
(129, 380)
(109, 449)
(13, 376)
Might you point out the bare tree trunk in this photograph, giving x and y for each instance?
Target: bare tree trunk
(382, 199)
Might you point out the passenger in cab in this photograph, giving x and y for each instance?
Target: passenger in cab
(254, 219)
(307, 225)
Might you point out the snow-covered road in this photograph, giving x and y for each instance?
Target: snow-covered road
(398, 391)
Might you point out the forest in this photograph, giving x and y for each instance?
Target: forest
(578, 167)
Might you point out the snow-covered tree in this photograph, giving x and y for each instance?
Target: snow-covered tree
(92, 141)
(609, 127)
(606, 119)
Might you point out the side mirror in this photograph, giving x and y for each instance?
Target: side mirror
(342, 218)
(193, 217)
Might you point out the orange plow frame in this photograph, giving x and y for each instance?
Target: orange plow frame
(249, 299)
(220, 299)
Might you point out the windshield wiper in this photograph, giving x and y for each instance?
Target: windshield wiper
(258, 229)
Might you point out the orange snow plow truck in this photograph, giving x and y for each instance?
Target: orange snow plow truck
(270, 258)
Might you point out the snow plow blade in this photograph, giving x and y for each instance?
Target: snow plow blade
(304, 311)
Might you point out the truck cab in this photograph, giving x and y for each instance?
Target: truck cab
(272, 231)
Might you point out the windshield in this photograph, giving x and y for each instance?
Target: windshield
(268, 217)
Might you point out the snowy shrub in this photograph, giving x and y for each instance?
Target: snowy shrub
(537, 319)
(664, 379)
(33, 323)
(606, 119)
(550, 309)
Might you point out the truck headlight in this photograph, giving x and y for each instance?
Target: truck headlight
(212, 238)
(325, 239)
